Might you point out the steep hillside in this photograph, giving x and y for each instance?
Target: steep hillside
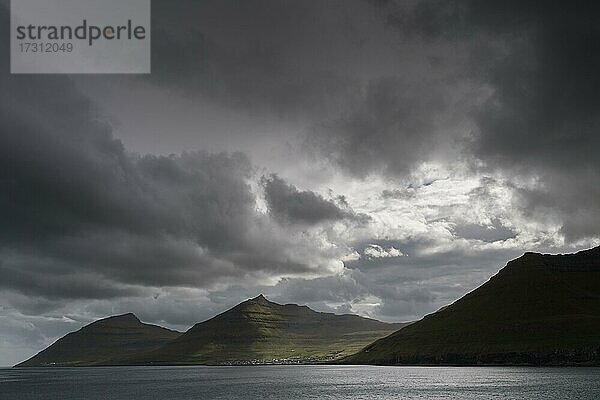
(258, 331)
(102, 340)
(539, 309)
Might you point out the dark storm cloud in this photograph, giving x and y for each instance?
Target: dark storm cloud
(541, 60)
(268, 56)
(381, 87)
(545, 111)
(83, 206)
(35, 277)
(399, 122)
(83, 218)
(73, 193)
(288, 204)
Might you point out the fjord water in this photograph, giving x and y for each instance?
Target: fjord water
(299, 382)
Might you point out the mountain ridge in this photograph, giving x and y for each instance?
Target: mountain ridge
(540, 309)
(254, 331)
(102, 340)
(260, 331)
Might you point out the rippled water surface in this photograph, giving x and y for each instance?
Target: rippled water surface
(300, 382)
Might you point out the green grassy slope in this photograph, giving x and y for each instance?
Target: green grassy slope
(539, 309)
(102, 340)
(258, 330)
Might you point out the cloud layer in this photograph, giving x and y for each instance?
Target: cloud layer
(376, 157)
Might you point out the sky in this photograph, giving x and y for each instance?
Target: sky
(373, 157)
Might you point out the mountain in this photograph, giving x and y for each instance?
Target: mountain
(260, 331)
(255, 331)
(540, 309)
(102, 340)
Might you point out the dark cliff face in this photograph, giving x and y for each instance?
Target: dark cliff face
(101, 341)
(539, 309)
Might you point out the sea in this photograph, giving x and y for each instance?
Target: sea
(288, 382)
